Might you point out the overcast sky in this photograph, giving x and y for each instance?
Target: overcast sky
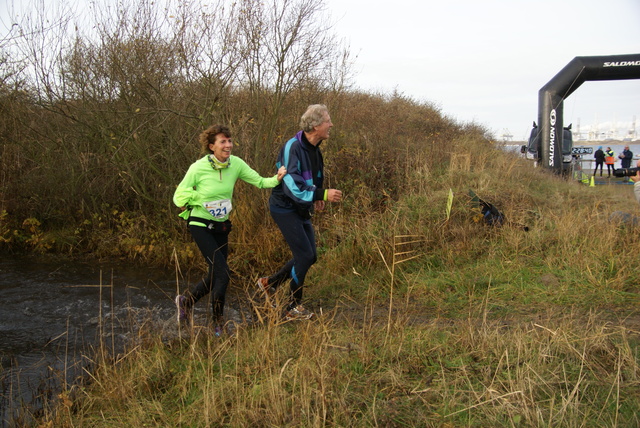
(485, 61)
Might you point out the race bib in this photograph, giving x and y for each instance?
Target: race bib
(218, 209)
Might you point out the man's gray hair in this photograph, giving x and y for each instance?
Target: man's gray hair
(314, 116)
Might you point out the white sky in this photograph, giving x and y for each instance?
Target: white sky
(485, 61)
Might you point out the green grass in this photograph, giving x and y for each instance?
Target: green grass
(427, 319)
(424, 319)
(424, 322)
(563, 370)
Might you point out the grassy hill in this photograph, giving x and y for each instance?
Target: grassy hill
(427, 316)
(424, 318)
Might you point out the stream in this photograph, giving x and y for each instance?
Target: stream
(50, 312)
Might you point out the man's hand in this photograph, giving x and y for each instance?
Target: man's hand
(334, 195)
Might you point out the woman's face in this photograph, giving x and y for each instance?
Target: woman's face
(221, 147)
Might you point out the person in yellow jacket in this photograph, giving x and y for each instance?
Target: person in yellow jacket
(609, 160)
(205, 196)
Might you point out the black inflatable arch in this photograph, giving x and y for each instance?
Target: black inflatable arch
(550, 97)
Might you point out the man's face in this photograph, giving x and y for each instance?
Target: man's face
(322, 130)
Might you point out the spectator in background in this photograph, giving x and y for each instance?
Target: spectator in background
(599, 156)
(626, 156)
(622, 217)
(636, 183)
(609, 159)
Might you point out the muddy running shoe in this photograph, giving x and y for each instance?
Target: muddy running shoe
(184, 313)
(217, 330)
(266, 291)
(263, 286)
(298, 313)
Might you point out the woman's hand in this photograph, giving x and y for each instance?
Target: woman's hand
(281, 173)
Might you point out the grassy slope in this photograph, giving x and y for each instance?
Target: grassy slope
(479, 326)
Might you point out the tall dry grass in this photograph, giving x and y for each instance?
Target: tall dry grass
(423, 320)
(567, 370)
(427, 319)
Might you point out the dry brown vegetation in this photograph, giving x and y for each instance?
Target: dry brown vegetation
(427, 319)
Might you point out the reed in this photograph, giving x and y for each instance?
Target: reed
(424, 319)
(428, 316)
(561, 371)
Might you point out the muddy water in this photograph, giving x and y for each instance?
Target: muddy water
(50, 317)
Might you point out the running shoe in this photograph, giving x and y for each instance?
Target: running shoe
(217, 330)
(266, 291)
(264, 287)
(298, 313)
(184, 313)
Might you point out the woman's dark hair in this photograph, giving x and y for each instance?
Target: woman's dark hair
(208, 136)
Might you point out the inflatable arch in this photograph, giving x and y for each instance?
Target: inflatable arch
(551, 96)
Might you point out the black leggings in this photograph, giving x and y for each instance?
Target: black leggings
(215, 248)
(301, 239)
(610, 168)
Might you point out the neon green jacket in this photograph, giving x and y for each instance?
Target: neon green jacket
(202, 184)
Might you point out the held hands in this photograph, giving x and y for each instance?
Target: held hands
(282, 171)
